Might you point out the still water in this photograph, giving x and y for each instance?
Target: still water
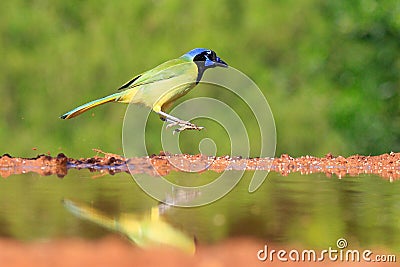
(306, 210)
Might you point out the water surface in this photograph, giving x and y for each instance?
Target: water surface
(306, 210)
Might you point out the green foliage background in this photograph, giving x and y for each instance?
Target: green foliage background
(329, 69)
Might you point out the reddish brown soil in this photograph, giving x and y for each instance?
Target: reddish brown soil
(385, 165)
(42, 164)
(112, 251)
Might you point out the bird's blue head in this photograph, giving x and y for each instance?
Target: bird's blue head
(205, 58)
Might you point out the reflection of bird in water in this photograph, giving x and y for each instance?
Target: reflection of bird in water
(147, 231)
(159, 87)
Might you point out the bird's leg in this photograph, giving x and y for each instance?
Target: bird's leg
(184, 125)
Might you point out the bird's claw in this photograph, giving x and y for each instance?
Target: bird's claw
(188, 127)
(174, 123)
(184, 125)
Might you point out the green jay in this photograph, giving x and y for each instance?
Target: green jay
(159, 87)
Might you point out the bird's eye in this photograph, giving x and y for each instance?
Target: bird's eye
(206, 55)
(211, 55)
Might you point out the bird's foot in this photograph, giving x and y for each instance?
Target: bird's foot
(188, 127)
(184, 125)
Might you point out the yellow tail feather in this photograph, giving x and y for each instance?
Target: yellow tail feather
(85, 107)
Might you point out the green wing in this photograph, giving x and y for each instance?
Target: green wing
(165, 71)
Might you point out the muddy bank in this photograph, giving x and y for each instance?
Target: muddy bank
(385, 165)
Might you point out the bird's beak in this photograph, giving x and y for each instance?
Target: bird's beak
(220, 63)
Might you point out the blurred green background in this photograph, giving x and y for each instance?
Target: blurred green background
(329, 69)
